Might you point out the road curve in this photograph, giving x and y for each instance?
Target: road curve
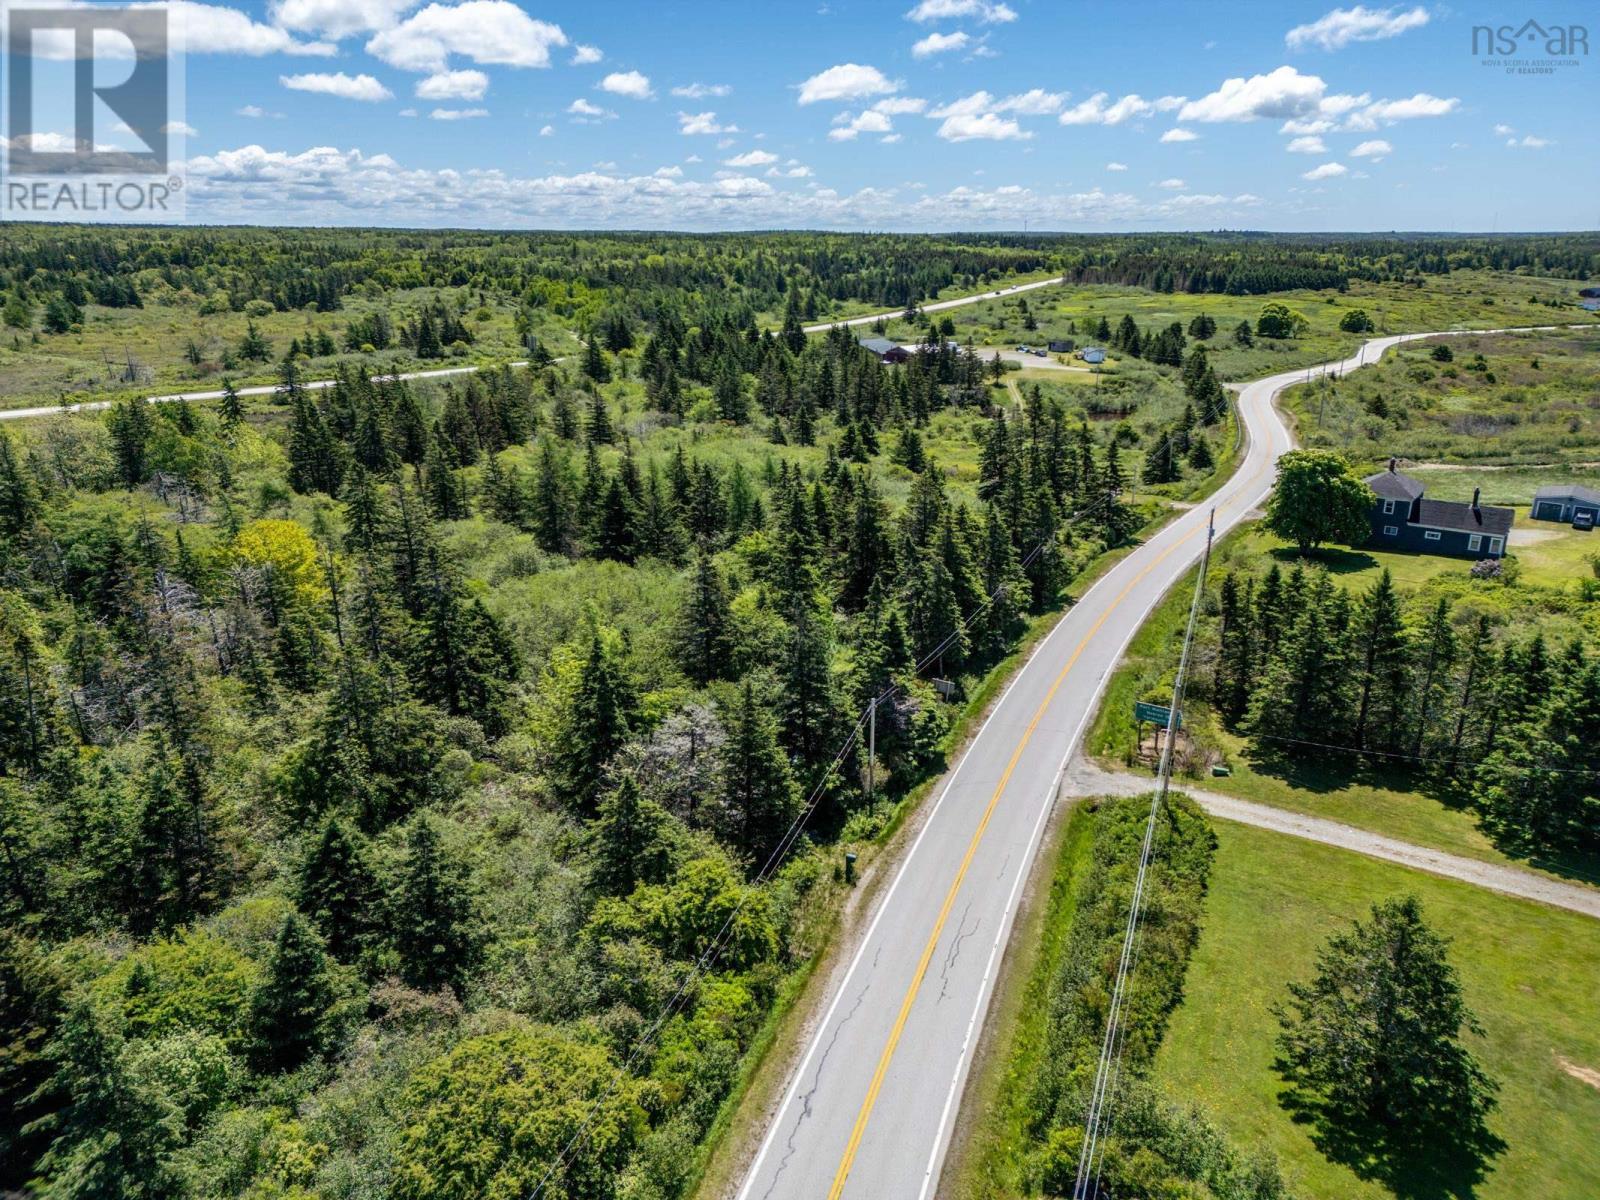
(1088, 779)
(868, 1109)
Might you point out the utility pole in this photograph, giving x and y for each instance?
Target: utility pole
(872, 743)
(1096, 1122)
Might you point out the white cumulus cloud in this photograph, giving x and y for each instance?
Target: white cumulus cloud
(699, 91)
(1179, 134)
(583, 56)
(750, 158)
(949, 10)
(1337, 29)
(1097, 111)
(631, 84)
(1116, 166)
(703, 123)
(453, 85)
(1328, 170)
(1420, 105)
(485, 31)
(847, 81)
(1282, 93)
(990, 126)
(337, 18)
(847, 128)
(457, 114)
(939, 43)
(588, 109)
(1375, 149)
(1308, 144)
(346, 87)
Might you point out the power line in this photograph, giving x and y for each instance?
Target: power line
(1111, 1045)
(708, 957)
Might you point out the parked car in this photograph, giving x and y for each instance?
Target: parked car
(1583, 521)
(1040, 353)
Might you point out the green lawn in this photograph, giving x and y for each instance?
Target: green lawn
(1347, 789)
(1530, 973)
(1462, 299)
(1508, 399)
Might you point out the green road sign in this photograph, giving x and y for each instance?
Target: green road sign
(1158, 714)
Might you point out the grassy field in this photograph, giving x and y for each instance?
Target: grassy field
(1464, 299)
(1526, 398)
(156, 339)
(1348, 789)
(1529, 972)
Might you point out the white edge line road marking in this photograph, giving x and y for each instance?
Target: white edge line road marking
(1008, 914)
(1007, 917)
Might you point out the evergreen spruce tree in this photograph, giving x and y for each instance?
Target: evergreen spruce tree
(1382, 663)
(1372, 1043)
(705, 625)
(337, 889)
(1436, 656)
(594, 361)
(289, 1010)
(632, 840)
(115, 1130)
(758, 790)
(232, 407)
(443, 484)
(599, 719)
(432, 922)
(19, 494)
(614, 536)
(598, 428)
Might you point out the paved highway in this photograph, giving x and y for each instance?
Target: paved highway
(868, 1109)
(312, 385)
(940, 305)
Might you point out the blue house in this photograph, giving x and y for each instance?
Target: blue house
(1405, 519)
(1093, 354)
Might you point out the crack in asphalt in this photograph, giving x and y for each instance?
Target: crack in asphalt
(952, 954)
(816, 1082)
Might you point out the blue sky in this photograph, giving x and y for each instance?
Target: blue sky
(943, 114)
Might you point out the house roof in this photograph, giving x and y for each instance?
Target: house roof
(1453, 514)
(1567, 491)
(879, 345)
(1391, 485)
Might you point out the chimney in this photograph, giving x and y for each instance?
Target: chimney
(1391, 466)
(1475, 492)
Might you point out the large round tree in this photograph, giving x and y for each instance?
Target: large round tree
(1319, 499)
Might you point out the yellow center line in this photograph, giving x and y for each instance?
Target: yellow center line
(862, 1117)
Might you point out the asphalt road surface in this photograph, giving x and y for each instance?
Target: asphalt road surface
(1087, 779)
(313, 385)
(940, 305)
(867, 1112)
